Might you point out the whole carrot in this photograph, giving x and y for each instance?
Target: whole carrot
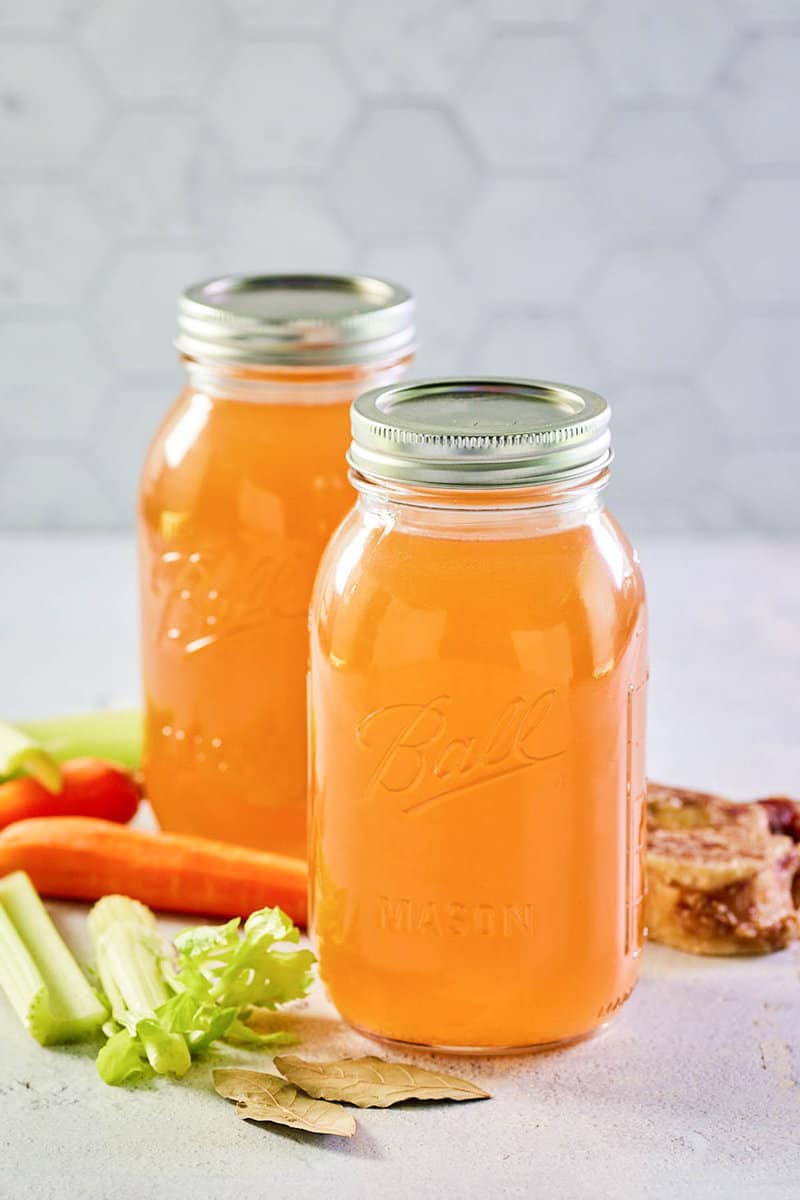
(82, 858)
(90, 788)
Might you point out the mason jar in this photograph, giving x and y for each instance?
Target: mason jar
(477, 707)
(243, 485)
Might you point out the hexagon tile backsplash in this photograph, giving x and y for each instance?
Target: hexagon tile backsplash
(599, 191)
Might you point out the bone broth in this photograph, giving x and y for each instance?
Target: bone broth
(244, 484)
(478, 673)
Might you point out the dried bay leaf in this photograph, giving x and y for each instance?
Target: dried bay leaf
(371, 1082)
(263, 1097)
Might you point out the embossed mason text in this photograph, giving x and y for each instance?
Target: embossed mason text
(454, 918)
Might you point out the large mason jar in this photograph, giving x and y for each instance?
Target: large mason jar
(477, 701)
(244, 483)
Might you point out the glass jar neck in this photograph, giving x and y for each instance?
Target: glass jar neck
(481, 512)
(265, 384)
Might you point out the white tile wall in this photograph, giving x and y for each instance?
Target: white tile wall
(603, 191)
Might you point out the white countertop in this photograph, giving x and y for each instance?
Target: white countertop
(693, 1092)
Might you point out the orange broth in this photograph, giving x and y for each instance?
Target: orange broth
(239, 496)
(477, 701)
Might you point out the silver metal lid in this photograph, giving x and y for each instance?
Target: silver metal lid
(295, 320)
(479, 432)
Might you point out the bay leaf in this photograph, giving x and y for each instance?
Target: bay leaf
(372, 1082)
(263, 1097)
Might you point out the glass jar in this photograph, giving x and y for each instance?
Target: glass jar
(477, 701)
(243, 485)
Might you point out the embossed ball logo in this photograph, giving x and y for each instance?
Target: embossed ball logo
(214, 594)
(422, 760)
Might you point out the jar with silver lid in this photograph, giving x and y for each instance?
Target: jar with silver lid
(244, 482)
(477, 705)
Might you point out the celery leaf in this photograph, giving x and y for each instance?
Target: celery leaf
(257, 968)
(123, 1059)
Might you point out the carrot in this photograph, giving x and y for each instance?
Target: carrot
(83, 858)
(90, 788)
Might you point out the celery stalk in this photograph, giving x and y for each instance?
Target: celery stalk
(129, 952)
(20, 752)
(128, 949)
(115, 736)
(42, 980)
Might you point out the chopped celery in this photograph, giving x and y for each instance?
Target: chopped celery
(129, 951)
(37, 972)
(20, 752)
(166, 1008)
(115, 736)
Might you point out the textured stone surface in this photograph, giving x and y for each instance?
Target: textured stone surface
(50, 109)
(405, 172)
(448, 306)
(748, 239)
(280, 227)
(267, 106)
(653, 426)
(632, 173)
(693, 1091)
(420, 46)
(660, 51)
(39, 16)
(755, 98)
(534, 100)
(548, 243)
(277, 15)
(152, 50)
(31, 415)
(766, 14)
(159, 175)
(747, 379)
(526, 344)
(136, 301)
(53, 489)
(532, 12)
(654, 311)
(603, 189)
(755, 478)
(51, 248)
